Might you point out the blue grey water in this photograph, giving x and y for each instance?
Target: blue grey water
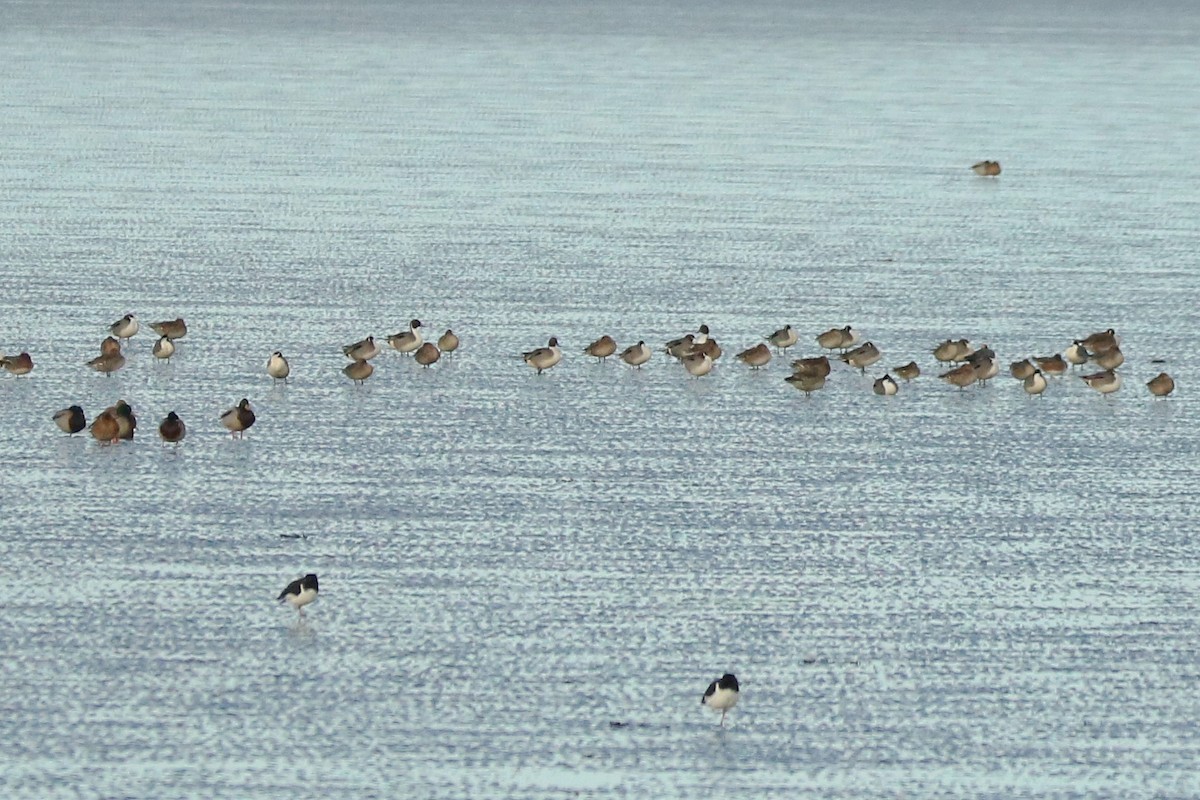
(527, 581)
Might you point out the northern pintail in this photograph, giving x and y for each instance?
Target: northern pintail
(239, 418)
(543, 358)
(407, 341)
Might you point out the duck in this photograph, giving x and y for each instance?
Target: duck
(989, 169)
(952, 350)
(544, 358)
(17, 365)
(1051, 365)
(961, 376)
(278, 367)
(683, 345)
(985, 369)
(636, 354)
(1109, 359)
(105, 427)
(124, 328)
(908, 371)
(678, 348)
(363, 350)
(755, 357)
(708, 347)
(126, 420)
(238, 419)
(697, 364)
(163, 348)
(1161, 385)
(448, 341)
(1034, 383)
(885, 386)
(1099, 342)
(1105, 382)
(602, 348)
(107, 364)
(1021, 369)
(837, 338)
(427, 354)
(407, 341)
(818, 366)
(862, 356)
(70, 420)
(783, 338)
(1077, 354)
(170, 328)
(110, 346)
(172, 429)
(358, 371)
(984, 352)
(807, 382)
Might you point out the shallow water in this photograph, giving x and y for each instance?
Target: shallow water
(527, 582)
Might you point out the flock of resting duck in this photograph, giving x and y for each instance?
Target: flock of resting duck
(118, 422)
(697, 352)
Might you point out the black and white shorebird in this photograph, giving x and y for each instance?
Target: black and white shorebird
(300, 592)
(721, 695)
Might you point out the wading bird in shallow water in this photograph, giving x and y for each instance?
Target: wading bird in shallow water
(238, 419)
(300, 593)
(721, 695)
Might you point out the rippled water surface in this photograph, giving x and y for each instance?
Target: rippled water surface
(527, 581)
